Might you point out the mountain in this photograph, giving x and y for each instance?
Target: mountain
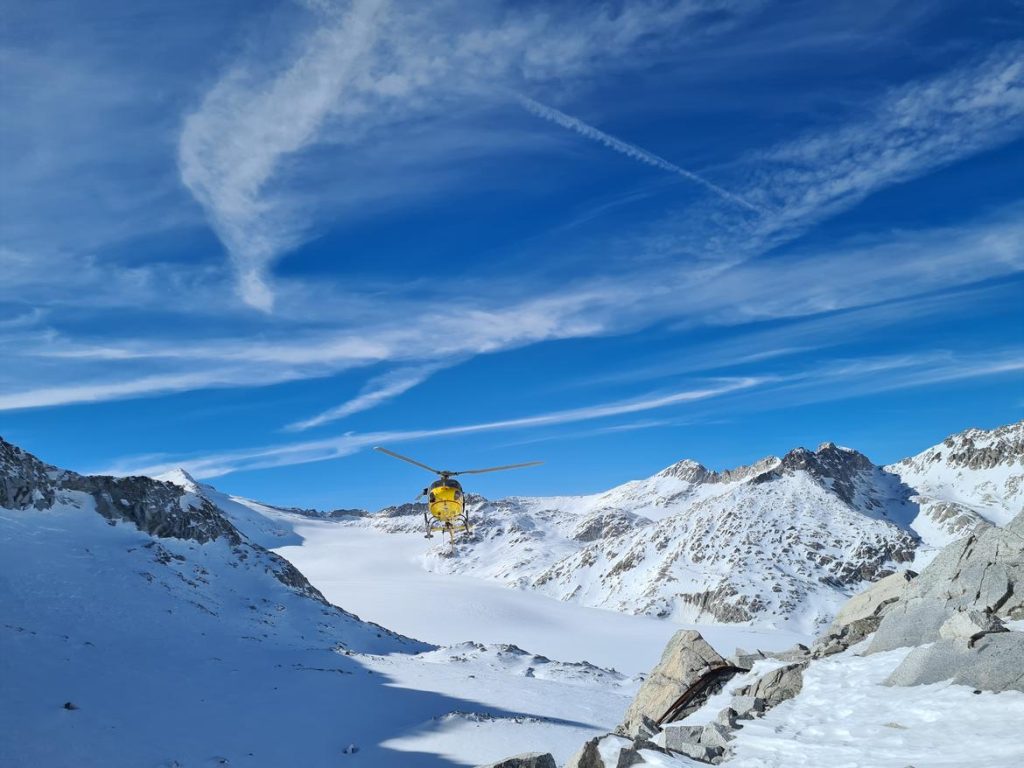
(781, 542)
(144, 623)
(972, 477)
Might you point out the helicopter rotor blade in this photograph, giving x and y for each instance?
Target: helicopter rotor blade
(406, 458)
(496, 469)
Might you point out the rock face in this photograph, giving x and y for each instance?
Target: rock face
(158, 508)
(952, 612)
(873, 600)
(690, 670)
(526, 760)
(995, 662)
(862, 614)
(982, 572)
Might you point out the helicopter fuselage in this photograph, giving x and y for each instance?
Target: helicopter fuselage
(445, 500)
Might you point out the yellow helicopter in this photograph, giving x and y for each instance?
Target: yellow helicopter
(445, 500)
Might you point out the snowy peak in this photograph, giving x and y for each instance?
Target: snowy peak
(689, 471)
(181, 478)
(975, 476)
(979, 449)
(781, 541)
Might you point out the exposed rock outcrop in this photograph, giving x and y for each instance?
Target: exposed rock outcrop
(982, 572)
(158, 508)
(776, 686)
(525, 760)
(995, 662)
(690, 670)
(862, 614)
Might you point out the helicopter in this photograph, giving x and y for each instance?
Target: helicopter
(446, 503)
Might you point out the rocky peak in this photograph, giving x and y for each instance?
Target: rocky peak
(157, 507)
(25, 481)
(983, 449)
(837, 467)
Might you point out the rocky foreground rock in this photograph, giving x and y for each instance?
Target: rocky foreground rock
(953, 615)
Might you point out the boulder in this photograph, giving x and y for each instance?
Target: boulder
(700, 752)
(970, 625)
(772, 688)
(874, 600)
(798, 652)
(709, 743)
(619, 753)
(745, 660)
(588, 756)
(993, 663)
(980, 572)
(727, 718)
(525, 760)
(747, 707)
(690, 670)
(862, 614)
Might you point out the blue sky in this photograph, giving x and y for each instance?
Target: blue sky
(255, 239)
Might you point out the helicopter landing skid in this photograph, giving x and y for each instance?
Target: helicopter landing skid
(449, 527)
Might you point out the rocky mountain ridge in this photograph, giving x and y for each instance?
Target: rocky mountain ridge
(971, 478)
(783, 540)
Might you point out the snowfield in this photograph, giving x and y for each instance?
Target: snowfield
(845, 718)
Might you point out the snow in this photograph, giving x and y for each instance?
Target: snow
(845, 718)
(176, 652)
(379, 576)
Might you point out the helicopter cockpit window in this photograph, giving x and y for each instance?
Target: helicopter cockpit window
(432, 497)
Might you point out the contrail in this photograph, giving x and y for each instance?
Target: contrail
(630, 150)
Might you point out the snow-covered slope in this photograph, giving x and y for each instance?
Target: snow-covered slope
(140, 626)
(780, 542)
(971, 477)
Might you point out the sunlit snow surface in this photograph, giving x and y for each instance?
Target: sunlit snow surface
(845, 718)
(177, 653)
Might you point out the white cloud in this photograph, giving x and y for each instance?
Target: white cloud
(322, 450)
(378, 390)
(865, 274)
(831, 381)
(365, 68)
(234, 144)
(914, 128)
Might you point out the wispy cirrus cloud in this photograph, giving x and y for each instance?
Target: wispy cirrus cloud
(831, 381)
(365, 66)
(377, 390)
(867, 274)
(912, 129)
(331, 448)
(234, 144)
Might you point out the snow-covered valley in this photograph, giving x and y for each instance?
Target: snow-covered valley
(149, 623)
